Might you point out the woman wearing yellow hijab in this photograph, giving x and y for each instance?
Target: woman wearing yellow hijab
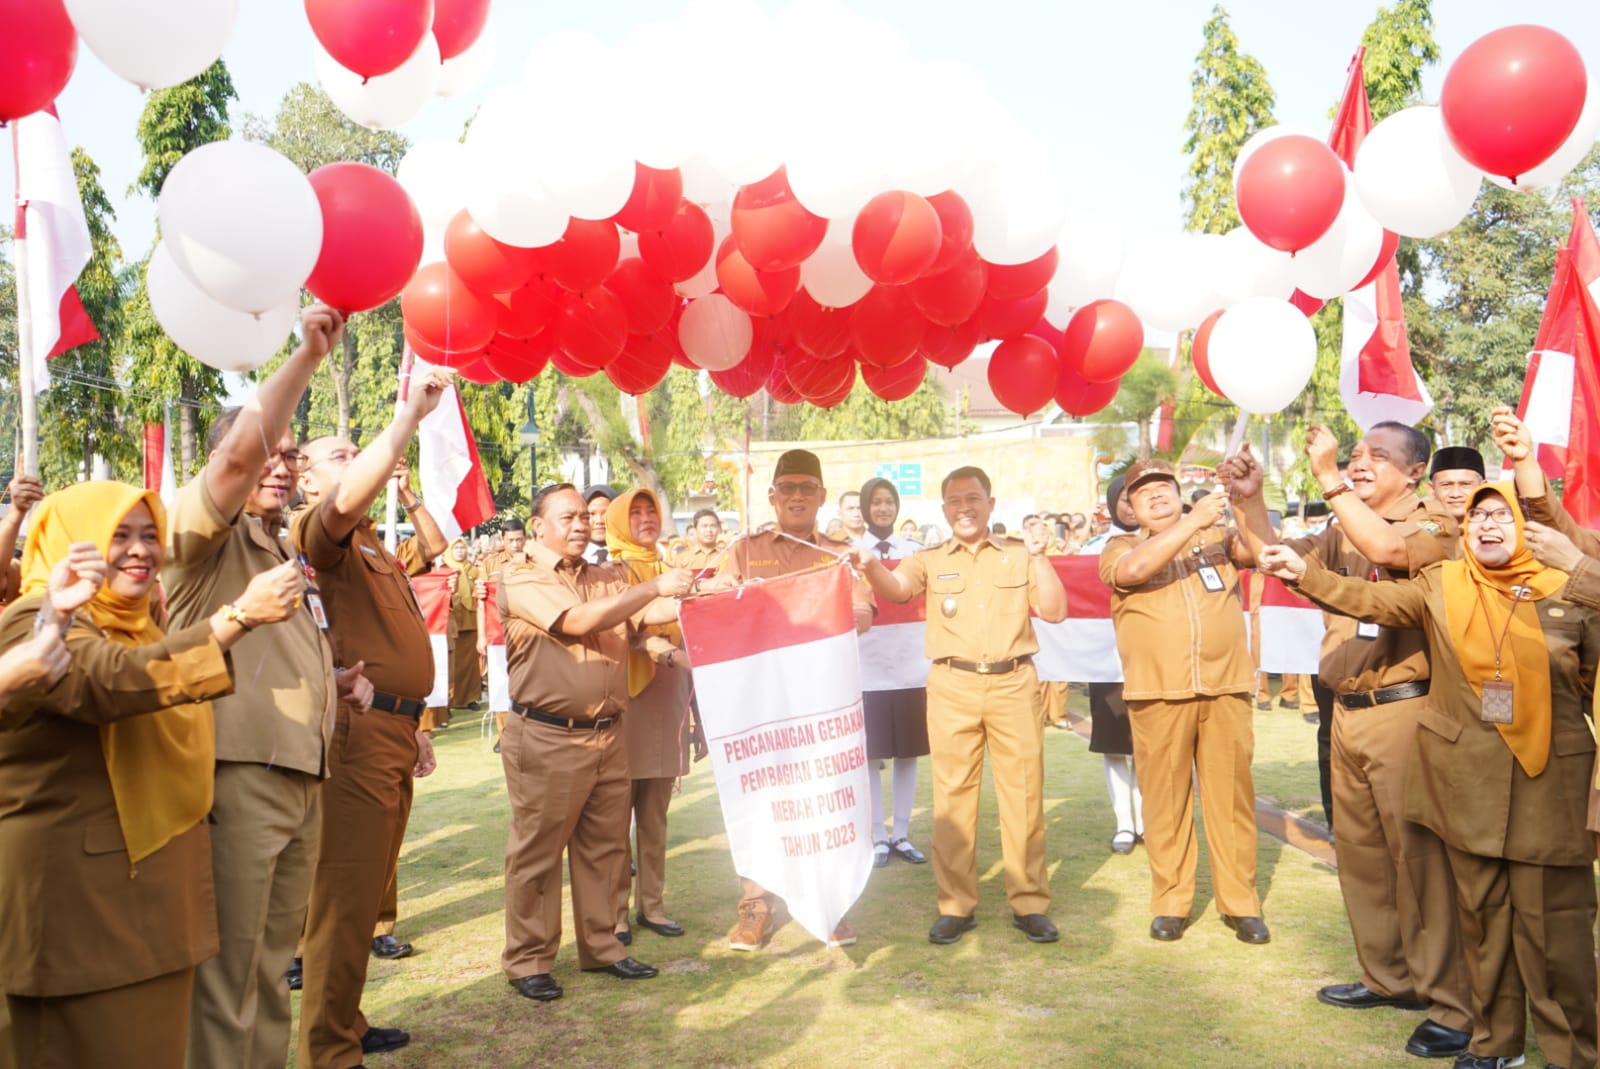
(106, 904)
(656, 729)
(1502, 766)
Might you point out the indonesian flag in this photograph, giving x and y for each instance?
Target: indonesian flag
(1376, 379)
(778, 678)
(51, 223)
(433, 598)
(158, 468)
(452, 475)
(1562, 388)
(1291, 628)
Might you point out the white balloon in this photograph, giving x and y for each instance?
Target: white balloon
(1167, 282)
(242, 222)
(1411, 178)
(1262, 352)
(388, 100)
(831, 274)
(1330, 266)
(1017, 211)
(578, 159)
(661, 131)
(1247, 268)
(212, 333)
(1091, 249)
(465, 72)
(1571, 153)
(155, 43)
(714, 332)
(498, 170)
(433, 172)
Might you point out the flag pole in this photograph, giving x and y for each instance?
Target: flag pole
(25, 384)
(391, 503)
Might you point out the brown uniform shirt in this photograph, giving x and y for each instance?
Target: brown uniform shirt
(372, 613)
(281, 713)
(1350, 663)
(988, 589)
(694, 555)
(1177, 639)
(768, 554)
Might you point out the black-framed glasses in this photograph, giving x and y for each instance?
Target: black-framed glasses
(296, 461)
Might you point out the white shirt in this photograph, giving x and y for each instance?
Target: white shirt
(898, 548)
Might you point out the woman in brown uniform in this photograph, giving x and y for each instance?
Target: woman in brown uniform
(655, 729)
(105, 861)
(466, 680)
(1501, 767)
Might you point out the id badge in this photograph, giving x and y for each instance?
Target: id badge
(1496, 706)
(1366, 629)
(318, 613)
(1211, 580)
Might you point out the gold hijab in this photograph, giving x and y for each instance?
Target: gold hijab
(644, 563)
(161, 764)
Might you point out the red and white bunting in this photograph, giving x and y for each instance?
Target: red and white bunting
(433, 598)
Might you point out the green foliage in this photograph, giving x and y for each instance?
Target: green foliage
(1232, 100)
(310, 130)
(865, 417)
(179, 119)
(1400, 45)
(1146, 386)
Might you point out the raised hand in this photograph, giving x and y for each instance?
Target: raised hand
(38, 662)
(1035, 539)
(1281, 561)
(273, 595)
(321, 328)
(26, 492)
(1510, 434)
(427, 389)
(1241, 474)
(1322, 450)
(674, 583)
(1209, 509)
(1550, 547)
(76, 578)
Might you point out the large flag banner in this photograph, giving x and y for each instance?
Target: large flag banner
(451, 473)
(1291, 628)
(778, 678)
(433, 590)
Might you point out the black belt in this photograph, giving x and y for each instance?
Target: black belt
(987, 668)
(393, 703)
(563, 721)
(1398, 692)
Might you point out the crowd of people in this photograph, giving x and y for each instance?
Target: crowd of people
(212, 718)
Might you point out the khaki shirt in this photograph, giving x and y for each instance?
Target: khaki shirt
(282, 711)
(1351, 664)
(372, 613)
(494, 563)
(1176, 638)
(768, 554)
(988, 588)
(694, 555)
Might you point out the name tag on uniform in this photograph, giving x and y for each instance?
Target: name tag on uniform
(1210, 579)
(369, 551)
(951, 575)
(318, 613)
(1366, 629)
(1497, 704)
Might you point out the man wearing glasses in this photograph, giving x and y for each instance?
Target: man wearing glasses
(795, 545)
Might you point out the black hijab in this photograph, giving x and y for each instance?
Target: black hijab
(1113, 492)
(883, 534)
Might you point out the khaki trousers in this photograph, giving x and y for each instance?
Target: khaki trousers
(1394, 874)
(1053, 702)
(1528, 933)
(1174, 743)
(138, 1026)
(968, 713)
(364, 803)
(569, 792)
(466, 681)
(651, 798)
(266, 826)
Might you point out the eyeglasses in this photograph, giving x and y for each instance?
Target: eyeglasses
(787, 488)
(338, 456)
(293, 459)
(1502, 514)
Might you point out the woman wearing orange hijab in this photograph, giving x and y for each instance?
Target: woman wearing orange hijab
(106, 904)
(1502, 766)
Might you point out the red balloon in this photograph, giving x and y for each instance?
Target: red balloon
(898, 382)
(584, 256)
(955, 225)
(779, 387)
(1023, 373)
(445, 313)
(1199, 351)
(1007, 319)
(519, 359)
(761, 293)
(1012, 282)
(896, 238)
(1512, 98)
(477, 370)
(1290, 191)
(527, 310)
(749, 374)
(1046, 330)
(457, 24)
(647, 296)
(1077, 396)
(371, 237)
(1391, 243)
(437, 357)
(817, 378)
(822, 332)
(952, 296)
(949, 346)
(1102, 340)
(841, 390)
(772, 229)
(564, 362)
(680, 247)
(885, 327)
(370, 37)
(482, 262)
(591, 326)
(38, 50)
(641, 367)
(655, 197)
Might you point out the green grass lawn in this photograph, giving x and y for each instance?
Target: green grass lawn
(1104, 996)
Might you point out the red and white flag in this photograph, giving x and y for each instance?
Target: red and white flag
(452, 475)
(1291, 628)
(433, 590)
(1561, 393)
(55, 236)
(1376, 378)
(778, 679)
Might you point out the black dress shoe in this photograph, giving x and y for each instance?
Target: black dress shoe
(1433, 1040)
(1248, 929)
(949, 929)
(625, 937)
(390, 948)
(1168, 929)
(295, 976)
(382, 1040)
(1358, 996)
(1036, 926)
(670, 929)
(538, 987)
(627, 969)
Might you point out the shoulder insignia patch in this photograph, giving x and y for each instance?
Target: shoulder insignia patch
(1431, 526)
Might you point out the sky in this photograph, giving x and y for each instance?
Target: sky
(1103, 87)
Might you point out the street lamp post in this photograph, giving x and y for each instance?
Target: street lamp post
(528, 435)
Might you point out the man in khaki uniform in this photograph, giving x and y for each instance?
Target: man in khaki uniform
(569, 626)
(983, 694)
(794, 545)
(373, 620)
(701, 549)
(1394, 873)
(511, 554)
(273, 731)
(1187, 681)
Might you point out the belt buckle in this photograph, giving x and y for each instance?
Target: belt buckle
(985, 668)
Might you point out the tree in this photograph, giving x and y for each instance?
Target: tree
(865, 417)
(1146, 387)
(1232, 100)
(1400, 46)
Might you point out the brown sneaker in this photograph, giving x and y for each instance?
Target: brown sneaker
(751, 930)
(843, 935)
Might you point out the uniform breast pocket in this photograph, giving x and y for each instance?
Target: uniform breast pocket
(385, 582)
(1011, 594)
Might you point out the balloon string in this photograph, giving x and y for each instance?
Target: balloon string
(1237, 441)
